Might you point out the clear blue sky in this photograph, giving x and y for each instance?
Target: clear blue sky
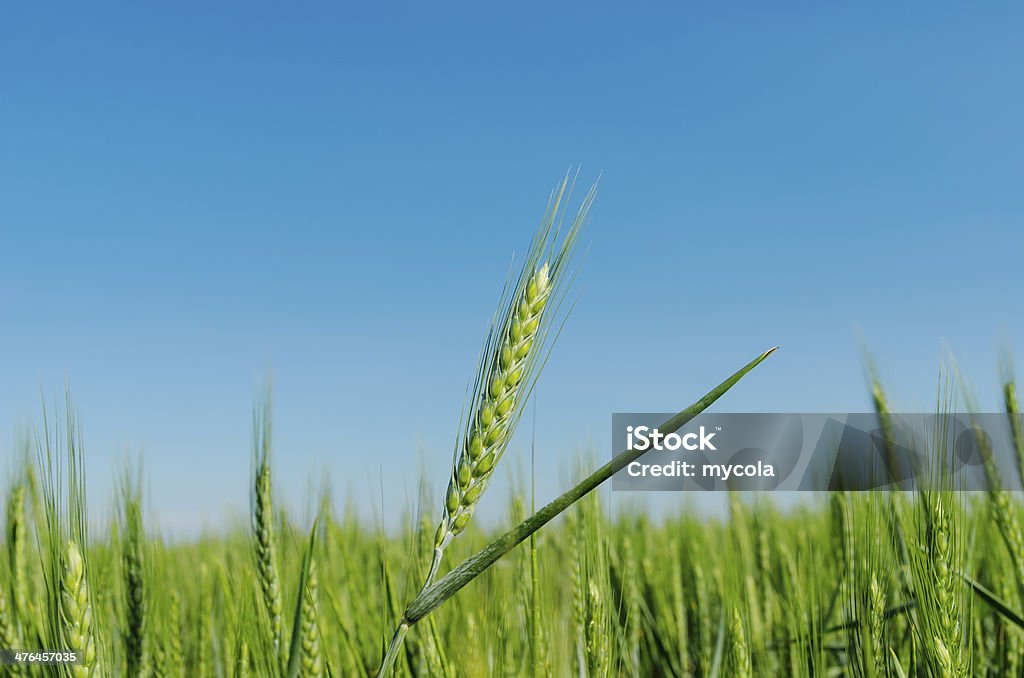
(194, 193)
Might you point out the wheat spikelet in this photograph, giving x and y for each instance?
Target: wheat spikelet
(158, 655)
(598, 624)
(312, 658)
(738, 651)
(597, 641)
(938, 582)
(76, 611)
(266, 556)
(8, 636)
(263, 530)
(876, 621)
(10, 614)
(943, 659)
(174, 654)
(940, 552)
(134, 581)
(17, 538)
(1013, 410)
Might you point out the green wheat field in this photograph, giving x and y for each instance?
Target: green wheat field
(929, 583)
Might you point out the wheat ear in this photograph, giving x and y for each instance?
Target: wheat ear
(312, 657)
(738, 650)
(512, 356)
(1012, 404)
(263, 528)
(17, 538)
(305, 657)
(8, 637)
(488, 434)
(174, 654)
(510, 362)
(76, 611)
(132, 562)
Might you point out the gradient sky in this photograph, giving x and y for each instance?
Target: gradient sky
(196, 194)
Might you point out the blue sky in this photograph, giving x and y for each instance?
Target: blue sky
(194, 195)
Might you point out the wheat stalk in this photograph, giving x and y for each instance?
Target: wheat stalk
(242, 660)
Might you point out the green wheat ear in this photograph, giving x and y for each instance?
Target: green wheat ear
(739, 652)
(8, 637)
(511, 360)
(491, 429)
(305, 656)
(312, 657)
(1012, 404)
(264, 546)
(135, 585)
(76, 611)
(17, 538)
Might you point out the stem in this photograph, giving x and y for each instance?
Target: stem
(434, 564)
(393, 647)
(396, 640)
